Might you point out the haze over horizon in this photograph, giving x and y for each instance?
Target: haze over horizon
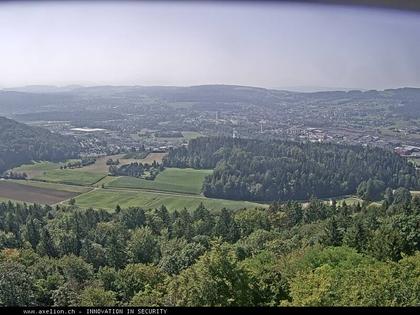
(184, 44)
(41, 88)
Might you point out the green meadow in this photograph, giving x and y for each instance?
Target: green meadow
(48, 185)
(191, 134)
(71, 177)
(188, 181)
(37, 166)
(110, 198)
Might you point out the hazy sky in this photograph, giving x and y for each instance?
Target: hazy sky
(184, 43)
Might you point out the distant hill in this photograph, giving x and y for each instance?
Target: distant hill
(203, 97)
(20, 143)
(44, 88)
(311, 89)
(12, 102)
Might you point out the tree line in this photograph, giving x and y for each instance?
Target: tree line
(136, 169)
(289, 254)
(79, 163)
(256, 170)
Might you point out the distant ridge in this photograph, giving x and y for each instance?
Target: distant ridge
(312, 89)
(46, 89)
(43, 88)
(20, 144)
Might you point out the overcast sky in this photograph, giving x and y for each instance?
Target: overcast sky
(267, 45)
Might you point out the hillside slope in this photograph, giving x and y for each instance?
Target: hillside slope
(20, 143)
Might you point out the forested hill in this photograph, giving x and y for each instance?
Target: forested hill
(256, 170)
(20, 143)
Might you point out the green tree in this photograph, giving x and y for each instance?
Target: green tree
(294, 213)
(143, 246)
(357, 237)
(226, 227)
(135, 277)
(389, 195)
(132, 217)
(402, 196)
(332, 234)
(75, 269)
(94, 296)
(32, 231)
(183, 225)
(215, 280)
(266, 281)
(203, 221)
(7, 240)
(67, 294)
(16, 285)
(371, 190)
(46, 245)
(151, 297)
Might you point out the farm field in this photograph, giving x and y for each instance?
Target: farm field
(71, 177)
(37, 168)
(191, 134)
(51, 172)
(55, 186)
(150, 158)
(110, 198)
(136, 155)
(187, 181)
(176, 188)
(100, 165)
(10, 190)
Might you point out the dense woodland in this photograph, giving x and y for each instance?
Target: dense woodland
(20, 144)
(285, 255)
(246, 169)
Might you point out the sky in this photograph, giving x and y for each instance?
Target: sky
(183, 43)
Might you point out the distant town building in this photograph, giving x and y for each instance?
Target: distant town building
(235, 134)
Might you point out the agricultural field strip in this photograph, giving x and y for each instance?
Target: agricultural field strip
(48, 178)
(85, 188)
(108, 199)
(33, 194)
(152, 190)
(52, 186)
(160, 192)
(184, 181)
(82, 190)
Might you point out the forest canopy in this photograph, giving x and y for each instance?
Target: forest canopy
(246, 169)
(289, 254)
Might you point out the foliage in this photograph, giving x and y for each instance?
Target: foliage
(289, 254)
(270, 170)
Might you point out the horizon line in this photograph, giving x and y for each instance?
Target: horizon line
(291, 88)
